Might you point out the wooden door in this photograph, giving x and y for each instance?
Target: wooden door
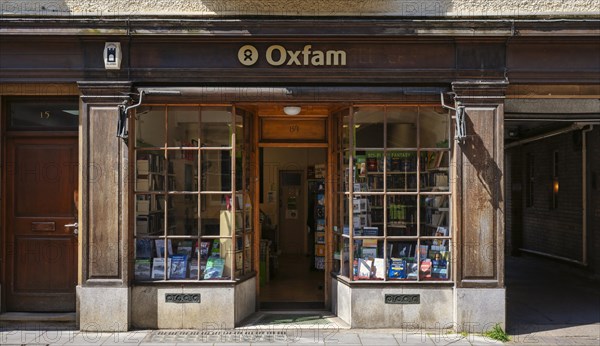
(292, 222)
(41, 182)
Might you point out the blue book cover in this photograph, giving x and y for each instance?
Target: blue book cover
(178, 266)
(397, 269)
(143, 248)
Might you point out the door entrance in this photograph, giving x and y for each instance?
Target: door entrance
(41, 185)
(40, 180)
(295, 277)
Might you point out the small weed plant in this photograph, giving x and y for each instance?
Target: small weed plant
(497, 333)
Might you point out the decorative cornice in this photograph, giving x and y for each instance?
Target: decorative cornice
(298, 27)
(480, 91)
(104, 91)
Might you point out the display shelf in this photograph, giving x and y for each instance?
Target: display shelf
(316, 195)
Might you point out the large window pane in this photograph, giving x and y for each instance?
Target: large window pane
(402, 260)
(368, 127)
(401, 215)
(182, 214)
(401, 127)
(434, 260)
(216, 127)
(433, 129)
(402, 171)
(182, 128)
(435, 170)
(182, 172)
(369, 262)
(216, 170)
(150, 126)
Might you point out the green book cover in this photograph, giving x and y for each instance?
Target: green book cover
(214, 268)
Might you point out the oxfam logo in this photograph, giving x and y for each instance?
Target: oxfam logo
(277, 55)
(248, 55)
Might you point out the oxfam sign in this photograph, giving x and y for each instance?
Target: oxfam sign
(277, 55)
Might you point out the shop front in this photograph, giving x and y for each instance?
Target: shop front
(221, 173)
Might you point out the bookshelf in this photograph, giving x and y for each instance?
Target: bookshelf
(316, 188)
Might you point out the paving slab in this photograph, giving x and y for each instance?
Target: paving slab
(342, 338)
(377, 339)
(21, 337)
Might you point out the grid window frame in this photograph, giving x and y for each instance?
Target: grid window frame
(225, 195)
(354, 241)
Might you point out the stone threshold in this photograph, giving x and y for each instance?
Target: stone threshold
(55, 317)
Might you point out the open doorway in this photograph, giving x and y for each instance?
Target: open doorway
(293, 231)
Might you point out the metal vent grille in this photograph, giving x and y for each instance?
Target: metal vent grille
(177, 336)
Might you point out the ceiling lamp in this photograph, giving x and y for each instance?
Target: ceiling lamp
(292, 110)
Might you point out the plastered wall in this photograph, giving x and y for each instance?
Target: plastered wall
(303, 7)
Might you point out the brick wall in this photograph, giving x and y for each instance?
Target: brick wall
(545, 229)
(556, 231)
(508, 205)
(594, 196)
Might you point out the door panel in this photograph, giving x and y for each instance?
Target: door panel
(292, 222)
(41, 179)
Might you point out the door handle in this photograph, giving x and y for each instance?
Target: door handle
(74, 226)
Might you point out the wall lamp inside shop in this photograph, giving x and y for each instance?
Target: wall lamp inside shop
(292, 110)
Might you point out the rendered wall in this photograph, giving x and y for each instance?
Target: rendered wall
(365, 307)
(216, 308)
(303, 7)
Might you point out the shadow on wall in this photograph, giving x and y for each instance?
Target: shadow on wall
(144, 307)
(408, 8)
(488, 172)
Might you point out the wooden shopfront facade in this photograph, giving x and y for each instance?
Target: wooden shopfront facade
(169, 160)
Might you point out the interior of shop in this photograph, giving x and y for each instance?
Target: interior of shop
(293, 227)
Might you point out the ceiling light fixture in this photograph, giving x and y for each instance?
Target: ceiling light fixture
(292, 110)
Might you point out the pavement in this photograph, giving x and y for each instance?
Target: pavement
(548, 303)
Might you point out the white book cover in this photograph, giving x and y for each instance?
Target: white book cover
(379, 268)
(158, 268)
(364, 268)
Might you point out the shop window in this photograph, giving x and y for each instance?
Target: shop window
(394, 196)
(193, 211)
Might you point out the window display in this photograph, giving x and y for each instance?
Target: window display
(395, 210)
(193, 210)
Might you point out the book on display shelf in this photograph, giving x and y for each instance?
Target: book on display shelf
(143, 269)
(160, 247)
(412, 269)
(214, 268)
(158, 268)
(185, 248)
(397, 268)
(178, 267)
(365, 267)
(205, 247)
(425, 269)
(143, 248)
(379, 268)
(194, 269)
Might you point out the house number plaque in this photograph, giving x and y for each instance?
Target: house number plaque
(293, 130)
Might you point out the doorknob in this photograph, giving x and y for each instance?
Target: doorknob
(74, 226)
